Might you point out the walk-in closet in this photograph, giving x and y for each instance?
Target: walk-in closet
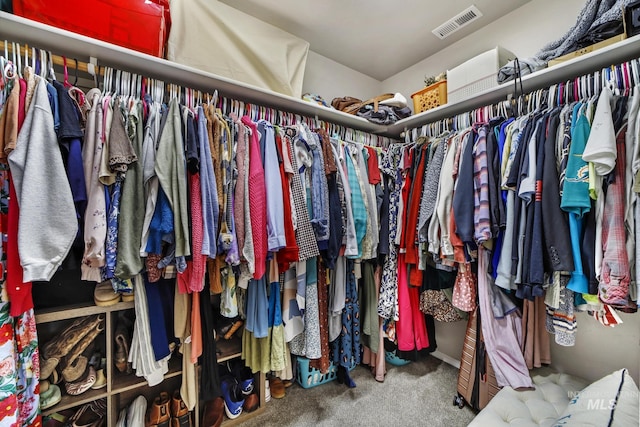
(295, 213)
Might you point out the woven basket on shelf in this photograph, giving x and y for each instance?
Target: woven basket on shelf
(430, 97)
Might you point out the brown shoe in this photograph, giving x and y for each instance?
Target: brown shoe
(277, 388)
(83, 384)
(251, 403)
(104, 295)
(122, 342)
(74, 370)
(93, 329)
(69, 337)
(213, 413)
(158, 414)
(180, 416)
(89, 415)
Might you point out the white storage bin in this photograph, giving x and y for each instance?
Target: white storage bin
(476, 75)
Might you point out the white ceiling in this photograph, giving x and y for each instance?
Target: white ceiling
(378, 38)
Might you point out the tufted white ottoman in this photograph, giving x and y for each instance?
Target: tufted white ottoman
(539, 407)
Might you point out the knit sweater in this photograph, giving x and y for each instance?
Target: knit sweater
(47, 224)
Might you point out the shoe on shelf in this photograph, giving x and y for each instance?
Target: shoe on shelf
(48, 366)
(233, 397)
(83, 384)
(251, 403)
(104, 295)
(158, 414)
(127, 296)
(50, 397)
(213, 413)
(57, 419)
(122, 418)
(101, 381)
(73, 371)
(122, 339)
(91, 414)
(56, 376)
(276, 387)
(180, 415)
(136, 412)
(392, 358)
(96, 360)
(246, 381)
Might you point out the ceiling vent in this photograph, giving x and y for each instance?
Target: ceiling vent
(460, 20)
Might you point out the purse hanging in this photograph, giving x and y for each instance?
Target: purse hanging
(464, 289)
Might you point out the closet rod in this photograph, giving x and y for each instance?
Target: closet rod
(56, 59)
(83, 67)
(78, 46)
(622, 51)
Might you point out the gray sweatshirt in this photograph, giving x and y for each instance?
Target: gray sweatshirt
(47, 225)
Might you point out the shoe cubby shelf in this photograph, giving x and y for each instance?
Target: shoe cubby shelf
(69, 402)
(52, 321)
(122, 383)
(73, 311)
(229, 349)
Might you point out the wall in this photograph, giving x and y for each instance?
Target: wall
(598, 350)
(330, 79)
(523, 32)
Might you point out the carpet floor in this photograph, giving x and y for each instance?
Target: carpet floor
(418, 394)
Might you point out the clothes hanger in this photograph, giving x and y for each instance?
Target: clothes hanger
(636, 73)
(628, 78)
(19, 63)
(26, 56)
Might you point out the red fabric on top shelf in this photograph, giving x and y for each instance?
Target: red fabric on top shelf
(139, 25)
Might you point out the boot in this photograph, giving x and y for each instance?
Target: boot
(122, 340)
(65, 341)
(94, 328)
(180, 416)
(158, 414)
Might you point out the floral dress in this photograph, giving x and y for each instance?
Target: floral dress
(388, 299)
(347, 350)
(19, 359)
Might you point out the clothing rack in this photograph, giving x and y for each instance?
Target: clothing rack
(622, 77)
(622, 51)
(77, 46)
(81, 47)
(131, 83)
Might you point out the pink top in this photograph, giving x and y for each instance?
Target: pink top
(257, 201)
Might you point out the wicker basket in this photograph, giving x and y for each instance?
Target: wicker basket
(430, 97)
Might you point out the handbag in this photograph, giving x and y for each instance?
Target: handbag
(436, 303)
(344, 102)
(464, 289)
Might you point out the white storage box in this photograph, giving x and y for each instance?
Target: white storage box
(476, 75)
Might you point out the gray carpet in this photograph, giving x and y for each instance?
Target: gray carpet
(418, 394)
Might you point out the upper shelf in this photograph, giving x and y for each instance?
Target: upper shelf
(64, 42)
(613, 54)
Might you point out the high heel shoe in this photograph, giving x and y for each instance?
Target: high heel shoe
(344, 378)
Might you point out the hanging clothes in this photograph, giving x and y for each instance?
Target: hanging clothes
(347, 348)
